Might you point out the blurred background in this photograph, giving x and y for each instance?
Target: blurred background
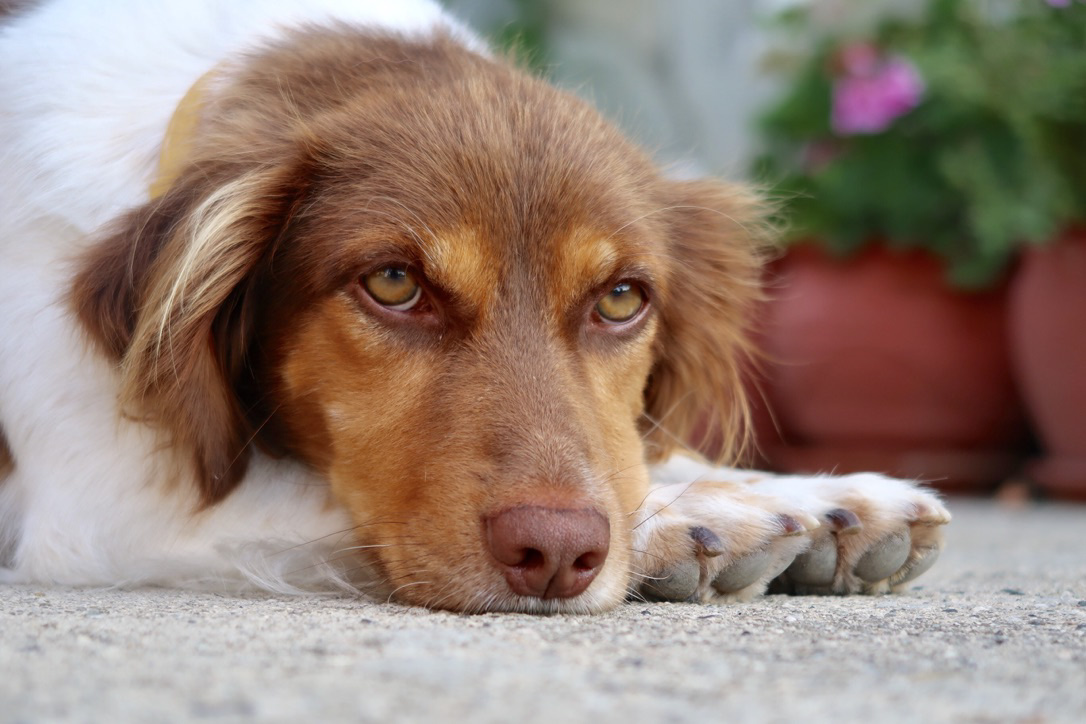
(927, 303)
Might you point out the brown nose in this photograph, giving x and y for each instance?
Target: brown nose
(549, 552)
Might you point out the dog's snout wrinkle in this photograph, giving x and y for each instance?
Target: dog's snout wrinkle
(549, 552)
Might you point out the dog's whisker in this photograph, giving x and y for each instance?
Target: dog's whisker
(644, 216)
(350, 553)
(343, 532)
(614, 474)
(319, 564)
(640, 505)
(394, 544)
(410, 212)
(406, 585)
(369, 546)
(657, 424)
(647, 554)
(312, 541)
(666, 505)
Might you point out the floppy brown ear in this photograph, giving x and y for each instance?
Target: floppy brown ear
(167, 294)
(695, 394)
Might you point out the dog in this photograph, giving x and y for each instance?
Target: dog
(306, 294)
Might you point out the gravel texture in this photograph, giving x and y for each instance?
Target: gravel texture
(995, 632)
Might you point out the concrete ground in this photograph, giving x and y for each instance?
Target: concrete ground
(996, 632)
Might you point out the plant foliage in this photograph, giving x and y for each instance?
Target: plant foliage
(992, 156)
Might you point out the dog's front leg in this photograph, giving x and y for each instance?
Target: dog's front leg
(711, 534)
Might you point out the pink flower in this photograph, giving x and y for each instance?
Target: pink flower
(873, 90)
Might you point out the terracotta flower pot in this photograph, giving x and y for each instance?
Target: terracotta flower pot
(877, 365)
(1048, 332)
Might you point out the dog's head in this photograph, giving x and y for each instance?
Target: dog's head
(451, 289)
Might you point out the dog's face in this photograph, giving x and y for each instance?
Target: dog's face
(451, 289)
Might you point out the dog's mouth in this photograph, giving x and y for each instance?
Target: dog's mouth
(525, 558)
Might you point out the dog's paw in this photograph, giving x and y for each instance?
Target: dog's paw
(714, 541)
(879, 534)
(730, 535)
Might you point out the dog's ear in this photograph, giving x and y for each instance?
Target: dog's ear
(695, 396)
(168, 294)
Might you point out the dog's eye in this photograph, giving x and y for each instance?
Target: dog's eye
(622, 303)
(393, 287)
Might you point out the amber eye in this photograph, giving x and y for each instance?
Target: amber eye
(622, 303)
(393, 287)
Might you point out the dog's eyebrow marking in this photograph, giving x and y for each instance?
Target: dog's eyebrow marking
(586, 255)
(461, 262)
(583, 259)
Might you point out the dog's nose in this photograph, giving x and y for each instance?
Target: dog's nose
(549, 552)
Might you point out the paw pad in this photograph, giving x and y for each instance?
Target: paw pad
(742, 573)
(679, 584)
(884, 558)
(817, 565)
(919, 562)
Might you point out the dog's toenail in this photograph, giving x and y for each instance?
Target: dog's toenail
(790, 525)
(884, 558)
(706, 541)
(927, 515)
(844, 521)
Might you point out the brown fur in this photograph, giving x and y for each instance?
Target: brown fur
(12, 7)
(233, 307)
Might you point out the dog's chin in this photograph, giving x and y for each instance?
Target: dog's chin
(485, 591)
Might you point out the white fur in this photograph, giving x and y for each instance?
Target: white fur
(86, 91)
(814, 495)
